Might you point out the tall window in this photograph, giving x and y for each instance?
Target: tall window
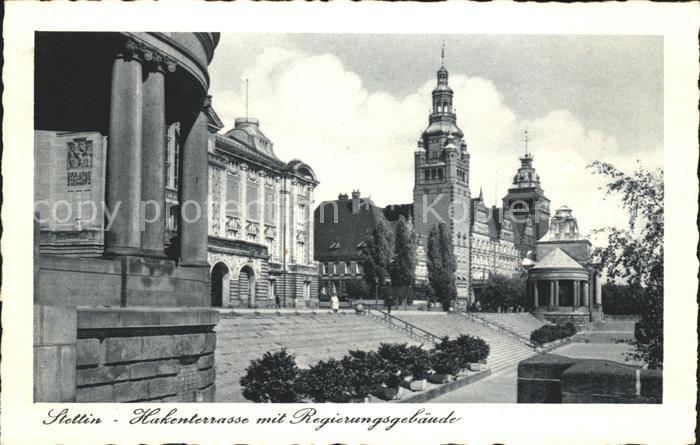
(271, 247)
(301, 217)
(269, 206)
(233, 198)
(252, 203)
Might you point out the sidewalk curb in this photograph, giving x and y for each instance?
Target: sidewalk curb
(433, 393)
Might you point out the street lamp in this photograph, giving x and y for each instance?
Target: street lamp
(376, 292)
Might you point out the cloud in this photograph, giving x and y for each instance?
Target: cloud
(315, 109)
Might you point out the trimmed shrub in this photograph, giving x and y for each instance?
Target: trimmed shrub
(419, 362)
(445, 362)
(326, 381)
(396, 357)
(465, 349)
(271, 378)
(551, 332)
(364, 370)
(475, 349)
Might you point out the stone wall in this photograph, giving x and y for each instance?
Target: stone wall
(144, 354)
(553, 378)
(54, 353)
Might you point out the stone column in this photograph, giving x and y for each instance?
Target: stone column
(551, 293)
(291, 218)
(585, 293)
(244, 202)
(577, 293)
(598, 290)
(153, 166)
(193, 194)
(535, 293)
(123, 194)
(556, 293)
(310, 225)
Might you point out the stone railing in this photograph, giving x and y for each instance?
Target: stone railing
(411, 330)
(501, 329)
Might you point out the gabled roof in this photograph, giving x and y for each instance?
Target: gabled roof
(340, 238)
(557, 259)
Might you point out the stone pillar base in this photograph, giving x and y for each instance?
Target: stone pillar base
(145, 355)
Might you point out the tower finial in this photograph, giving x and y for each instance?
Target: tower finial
(526, 141)
(442, 54)
(246, 99)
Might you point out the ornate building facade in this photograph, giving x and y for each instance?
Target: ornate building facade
(493, 244)
(261, 235)
(441, 188)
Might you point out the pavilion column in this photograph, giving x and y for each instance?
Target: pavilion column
(598, 290)
(551, 293)
(556, 293)
(577, 293)
(585, 293)
(153, 167)
(535, 294)
(193, 194)
(123, 184)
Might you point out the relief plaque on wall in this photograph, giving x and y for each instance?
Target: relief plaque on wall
(79, 158)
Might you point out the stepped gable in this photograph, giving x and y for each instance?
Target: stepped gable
(341, 237)
(557, 259)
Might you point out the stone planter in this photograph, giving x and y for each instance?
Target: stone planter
(476, 366)
(417, 385)
(392, 393)
(440, 378)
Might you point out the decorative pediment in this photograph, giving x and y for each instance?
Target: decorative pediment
(270, 232)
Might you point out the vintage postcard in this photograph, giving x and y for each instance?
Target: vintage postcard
(366, 223)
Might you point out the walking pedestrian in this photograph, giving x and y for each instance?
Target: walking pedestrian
(277, 301)
(335, 303)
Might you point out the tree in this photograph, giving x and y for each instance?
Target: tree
(403, 268)
(620, 299)
(441, 265)
(357, 289)
(377, 253)
(636, 254)
(500, 290)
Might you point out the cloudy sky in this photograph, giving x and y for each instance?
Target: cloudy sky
(353, 106)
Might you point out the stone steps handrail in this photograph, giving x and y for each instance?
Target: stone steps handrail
(409, 328)
(476, 318)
